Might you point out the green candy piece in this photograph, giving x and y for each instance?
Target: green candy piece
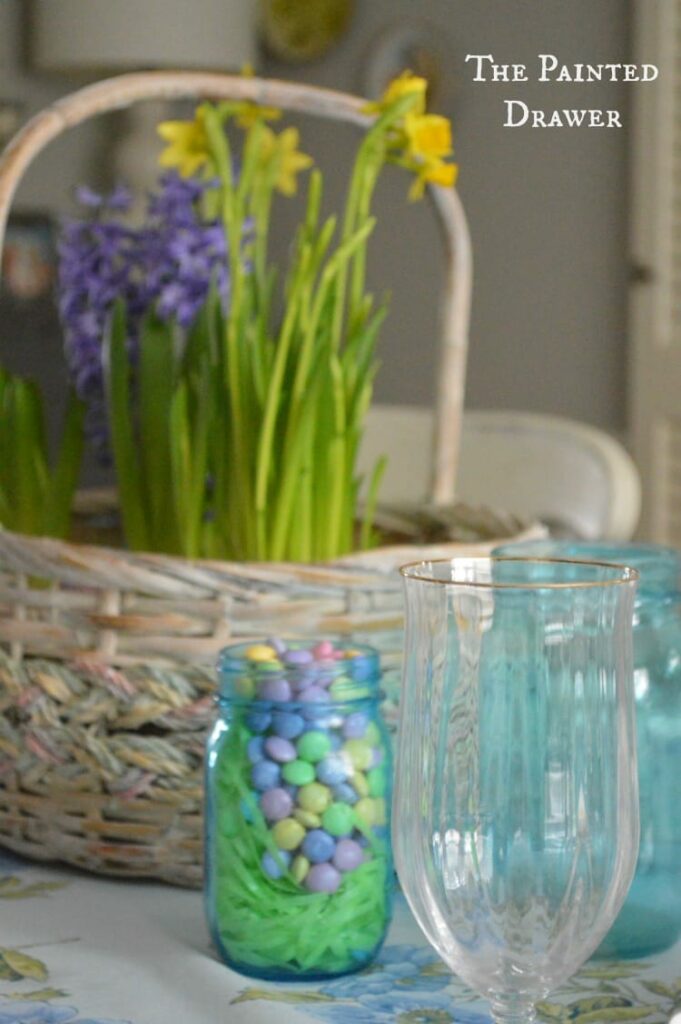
(245, 687)
(338, 819)
(313, 746)
(373, 734)
(269, 666)
(298, 773)
(376, 780)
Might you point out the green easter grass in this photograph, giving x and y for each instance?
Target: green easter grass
(276, 923)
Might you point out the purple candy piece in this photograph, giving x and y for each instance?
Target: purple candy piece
(278, 645)
(270, 866)
(276, 804)
(254, 749)
(355, 725)
(313, 695)
(287, 724)
(274, 689)
(300, 656)
(280, 749)
(265, 775)
(323, 878)
(348, 855)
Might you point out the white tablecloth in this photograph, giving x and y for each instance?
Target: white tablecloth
(79, 949)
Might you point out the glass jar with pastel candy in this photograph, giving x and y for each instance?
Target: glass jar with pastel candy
(298, 861)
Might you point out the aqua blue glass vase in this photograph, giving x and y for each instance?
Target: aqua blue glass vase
(650, 920)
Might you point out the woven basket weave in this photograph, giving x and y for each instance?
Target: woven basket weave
(107, 657)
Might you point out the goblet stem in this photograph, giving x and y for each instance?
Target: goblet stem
(514, 1013)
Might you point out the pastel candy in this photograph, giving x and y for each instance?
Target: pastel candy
(365, 811)
(277, 690)
(307, 818)
(313, 695)
(323, 878)
(333, 769)
(254, 749)
(313, 746)
(288, 834)
(280, 749)
(315, 797)
(270, 865)
(299, 656)
(360, 754)
(278, 645)
(287, 724)
(245, 687)
(377, 782)
(258, 721)
(260, 652)
(276, 804)
(344, 793)
(348, 855)
(338, 819)
(318, 846)
(298, 773)
(265, 774)
(355, 725)
(360, 784)
(300, 868)
(323, 650)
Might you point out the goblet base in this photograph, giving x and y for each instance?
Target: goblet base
(513, 1013)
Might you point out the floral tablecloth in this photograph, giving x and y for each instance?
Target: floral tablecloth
(84, 950)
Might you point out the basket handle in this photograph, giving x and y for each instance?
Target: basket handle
(124, 90)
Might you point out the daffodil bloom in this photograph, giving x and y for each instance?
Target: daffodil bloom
(284, 148)
(433, 172)
(248, 113)
(428, 136)
(188, 148)
(406, 84)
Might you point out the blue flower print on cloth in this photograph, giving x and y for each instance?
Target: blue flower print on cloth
(16, 1011)
(401, 1008)
(400, 967)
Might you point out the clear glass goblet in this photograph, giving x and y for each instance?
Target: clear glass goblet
(515, 824)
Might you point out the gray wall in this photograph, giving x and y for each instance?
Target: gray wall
(547, 208)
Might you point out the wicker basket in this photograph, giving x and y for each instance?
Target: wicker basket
(106, 657)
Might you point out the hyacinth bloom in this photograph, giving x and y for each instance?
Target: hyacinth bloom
(167, 264)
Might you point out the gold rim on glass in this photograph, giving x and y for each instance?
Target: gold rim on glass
(626, 573)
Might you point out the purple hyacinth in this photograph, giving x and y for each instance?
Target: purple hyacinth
(168, 265)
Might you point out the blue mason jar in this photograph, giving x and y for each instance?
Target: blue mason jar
(650, 919)
(297, 848)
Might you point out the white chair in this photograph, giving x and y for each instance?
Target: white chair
(575, 478)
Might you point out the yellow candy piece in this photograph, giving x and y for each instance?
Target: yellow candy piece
(307, 818)
(314, 797)
(360, 784)
(351, 653)
(365, 811)
(380, 811)
(245, 687)
(360, 754)
(261, 652)
(372, 734)
(288, 834)
(300, 867)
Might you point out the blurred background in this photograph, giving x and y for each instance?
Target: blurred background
(553, 213)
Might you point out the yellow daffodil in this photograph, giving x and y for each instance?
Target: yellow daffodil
(428, 136)
(433, 172)
(403, 85)
(188, 148)
(247, 112)
(284, 148)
